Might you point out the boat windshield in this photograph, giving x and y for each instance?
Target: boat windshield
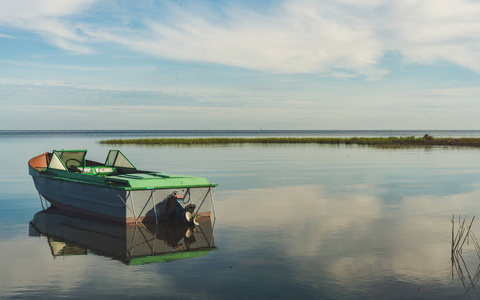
(115, 158)
(67, 159)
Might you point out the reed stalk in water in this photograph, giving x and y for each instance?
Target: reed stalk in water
(459, 236)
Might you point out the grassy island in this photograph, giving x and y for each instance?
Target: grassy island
(426, 141)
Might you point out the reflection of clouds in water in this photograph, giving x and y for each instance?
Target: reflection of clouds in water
(423, 249)
(295, 205)
(27, 266)
(350, 234)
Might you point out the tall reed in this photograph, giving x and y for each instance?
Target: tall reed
(459, 236)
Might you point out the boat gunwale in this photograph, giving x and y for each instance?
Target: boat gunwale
(43, 171)
(127, 188)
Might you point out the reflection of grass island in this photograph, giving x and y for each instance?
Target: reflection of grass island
(425, 141)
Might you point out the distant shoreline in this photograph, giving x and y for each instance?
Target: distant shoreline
(147, 134)
(426, 141)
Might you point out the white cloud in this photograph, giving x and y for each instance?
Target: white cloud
(315, 37)
(456, 92)
(52, 66)
(426, 32)
(338, 38)
(6, 36)
(41, 8)
(230, 108)
(48, 19)
(296, 38)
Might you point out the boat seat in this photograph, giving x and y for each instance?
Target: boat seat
(104, 170)
(86, 170)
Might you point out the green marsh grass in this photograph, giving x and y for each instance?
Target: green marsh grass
(426, 141)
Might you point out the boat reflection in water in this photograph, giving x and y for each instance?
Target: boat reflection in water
(73, 234)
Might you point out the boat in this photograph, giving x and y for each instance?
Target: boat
(71, 234)
(116, 190)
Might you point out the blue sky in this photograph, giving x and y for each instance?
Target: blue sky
(344, 64)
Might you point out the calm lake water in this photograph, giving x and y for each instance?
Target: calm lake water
(293, 221)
